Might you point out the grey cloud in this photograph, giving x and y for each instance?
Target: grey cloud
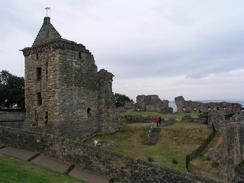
(218, 54)
(135, 39)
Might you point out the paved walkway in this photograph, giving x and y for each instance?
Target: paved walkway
(91, 177)
(18, 153)
(51, 163)
(54, 164)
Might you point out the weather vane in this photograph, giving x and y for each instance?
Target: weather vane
(47, 9)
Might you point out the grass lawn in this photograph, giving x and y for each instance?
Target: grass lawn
(174, 143)
(18, 171)
(177, 116)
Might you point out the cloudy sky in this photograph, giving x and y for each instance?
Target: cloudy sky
(165, 47)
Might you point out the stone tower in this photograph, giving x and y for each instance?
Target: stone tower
(64, 92)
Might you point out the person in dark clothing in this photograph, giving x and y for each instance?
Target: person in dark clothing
(159, 121)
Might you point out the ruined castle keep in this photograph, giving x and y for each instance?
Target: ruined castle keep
(152, 103)
(64, 92)
(149, 103)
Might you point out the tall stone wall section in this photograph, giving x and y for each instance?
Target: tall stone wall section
(192, 106)
(106, 103)
(78, 92)
(47, 86)
(113, 165)
(229, 149)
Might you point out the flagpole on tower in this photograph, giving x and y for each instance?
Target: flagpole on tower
(47, 9)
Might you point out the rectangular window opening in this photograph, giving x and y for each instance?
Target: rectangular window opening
(38, 73)
(46, 70)
(46, 118)
(39, 99)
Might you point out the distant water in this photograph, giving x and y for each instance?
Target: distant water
(173, 105)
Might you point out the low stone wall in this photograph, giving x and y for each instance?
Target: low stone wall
(13, 119)
(13, 124)
(7, 116)
(139, 118)
(147, 119)
(113, 165)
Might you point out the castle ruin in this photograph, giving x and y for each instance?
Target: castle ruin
(193, 106)
(64, 91)
(148, 103)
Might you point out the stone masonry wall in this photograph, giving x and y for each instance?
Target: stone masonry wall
(12, 119)
(6, 116)
(152, 103)
(78, 93)
(229, 149)
(115, 166)
(47, 86)
(65, 94)
(108, 115)
(191, 106)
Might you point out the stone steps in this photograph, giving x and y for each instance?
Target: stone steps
(55, 164)
(153, 136)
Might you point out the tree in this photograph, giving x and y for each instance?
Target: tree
(121, 99)
(11, 90)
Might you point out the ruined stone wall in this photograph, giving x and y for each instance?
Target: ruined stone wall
(64, 93)
(228, 151)
(191, 106)
(108, 117)
(152, 103)
(12, 119)
(129, 107)
(113, 165)
(78, 92)
(46, 85)
(12, 124)
(6, 116)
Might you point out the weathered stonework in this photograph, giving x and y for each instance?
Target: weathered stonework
(13, 119)
(191, 106)
(152, 103)
(93, 158)
(6, 116)
(147, 103)
(229, 150)
(64, 92)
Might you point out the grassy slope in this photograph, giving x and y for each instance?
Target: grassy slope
(17, 171)
(174, 143)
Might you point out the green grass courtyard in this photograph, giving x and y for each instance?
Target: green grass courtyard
(174, 143)
(13, 170)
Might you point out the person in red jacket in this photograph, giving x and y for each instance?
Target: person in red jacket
(157, 120)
